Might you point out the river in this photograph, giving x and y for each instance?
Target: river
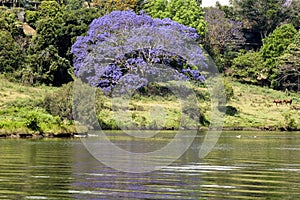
(242, 165)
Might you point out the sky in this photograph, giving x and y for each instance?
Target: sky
(207, 3)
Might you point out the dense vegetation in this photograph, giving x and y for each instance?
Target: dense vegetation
(254, 42)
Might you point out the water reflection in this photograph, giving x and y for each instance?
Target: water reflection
(265, 166)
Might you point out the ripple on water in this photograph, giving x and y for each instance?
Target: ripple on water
(36, 197)
(200, 168)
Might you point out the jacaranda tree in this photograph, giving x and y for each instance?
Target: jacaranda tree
(135, 49)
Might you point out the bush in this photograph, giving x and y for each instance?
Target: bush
(32, 122)
(222, 89)
(60, 102)
(289, 122)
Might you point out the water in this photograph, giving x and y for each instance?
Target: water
(243, 165)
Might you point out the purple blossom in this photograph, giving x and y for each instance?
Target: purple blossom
(132, 49)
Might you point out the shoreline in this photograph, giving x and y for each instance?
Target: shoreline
(10, 135)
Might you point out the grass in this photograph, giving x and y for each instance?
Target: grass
(21, 107)
(256, 108)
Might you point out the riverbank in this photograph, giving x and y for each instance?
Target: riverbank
(24, 112)
(256, 109)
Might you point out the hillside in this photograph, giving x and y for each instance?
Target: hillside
(23, 111)
(256, 108)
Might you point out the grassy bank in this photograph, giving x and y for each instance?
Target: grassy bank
(23, 111)
(255, 108)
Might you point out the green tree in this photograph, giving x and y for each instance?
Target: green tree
(288, 66)
(156, 8)
(60, 102)
(48, 31)
(9, 22)
(274, 46)
(75, 23)
(266, 15)
(74, 4)
(31, 17)
(49, 9)
(46, 66)
(11, 57)
(186, 12)
(249, 68)
(49, 60)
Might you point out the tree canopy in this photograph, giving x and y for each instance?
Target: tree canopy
(266, 15)
(124, 46)
(186, 12)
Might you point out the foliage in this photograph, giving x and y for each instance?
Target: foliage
(31, 17)
(294, 14)
(265, 15)
(60, 102)
(186, 12)
(75, 23)
(221, 31)
(48, 31)
(289, 122)
(49, 60)
(9, 22)
(248, 67)
(222, 88)
(223, 36)
(10, 53)
(111, 5)
(275, 45)
(277, 42)
(156, 8)
(49, 9)
(47, 67)
(288, 66)
(137, 51)
(32, 122)
(74, 4)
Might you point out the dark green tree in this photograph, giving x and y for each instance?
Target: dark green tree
(74, 4)
(75, 23)
(49, 60)
(46, 66)
(11, 57)
(265, 15)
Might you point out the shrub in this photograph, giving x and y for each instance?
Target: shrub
(60, 103)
